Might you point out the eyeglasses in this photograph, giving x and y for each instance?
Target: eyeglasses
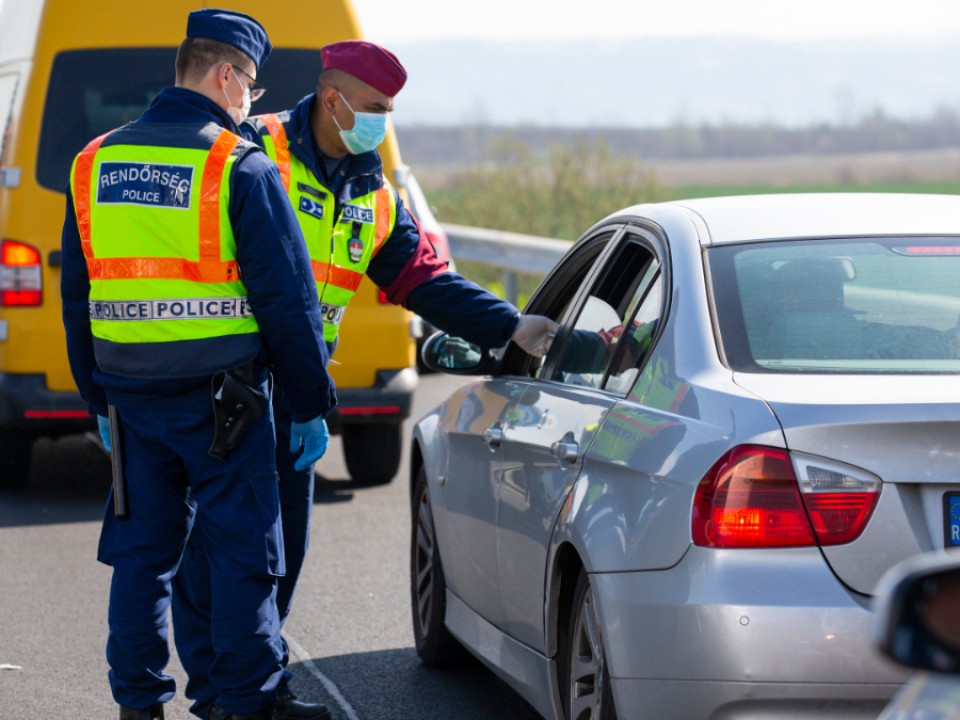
(256, 89)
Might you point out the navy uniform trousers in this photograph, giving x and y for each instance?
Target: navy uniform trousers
(192, 585)
(174, 486)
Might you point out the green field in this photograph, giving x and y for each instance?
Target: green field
(566, 207)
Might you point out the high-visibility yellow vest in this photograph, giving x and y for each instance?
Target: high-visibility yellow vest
(341, 247)
(161, 256)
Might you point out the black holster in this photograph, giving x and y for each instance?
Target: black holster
(237, 402)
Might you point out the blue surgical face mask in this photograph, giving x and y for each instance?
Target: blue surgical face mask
(368, 131)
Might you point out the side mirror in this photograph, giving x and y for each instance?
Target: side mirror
(918, 622)
(450, 354)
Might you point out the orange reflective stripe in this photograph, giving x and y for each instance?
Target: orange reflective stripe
(338, 276)
(81, 192)
(279, 137)
(161, 268)
(210, 195)
(383, 219)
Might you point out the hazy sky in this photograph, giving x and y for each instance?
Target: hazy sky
(803, 85)
(410, 20)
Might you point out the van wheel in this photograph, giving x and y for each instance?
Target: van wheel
(16, 449)
(372, 452)
(584, 677)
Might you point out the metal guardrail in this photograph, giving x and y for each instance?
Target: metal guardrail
(513, 253)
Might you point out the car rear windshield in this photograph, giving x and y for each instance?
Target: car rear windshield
(888, 305)
(94, 91)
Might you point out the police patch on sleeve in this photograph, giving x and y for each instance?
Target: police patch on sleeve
(132, 183)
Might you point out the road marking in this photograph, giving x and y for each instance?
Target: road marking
(327, 683)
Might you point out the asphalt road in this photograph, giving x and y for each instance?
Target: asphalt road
(349, 630)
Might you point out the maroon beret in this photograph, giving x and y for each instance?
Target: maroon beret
(374, 65)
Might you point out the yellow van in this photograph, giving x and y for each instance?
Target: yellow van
(73, 69)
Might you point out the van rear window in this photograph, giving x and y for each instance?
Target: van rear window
(94, 91)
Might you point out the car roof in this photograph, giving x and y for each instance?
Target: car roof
(777, 216)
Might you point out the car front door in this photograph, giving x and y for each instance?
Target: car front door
(465, 503)
(591, 366)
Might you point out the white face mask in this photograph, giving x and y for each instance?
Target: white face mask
(241, 113)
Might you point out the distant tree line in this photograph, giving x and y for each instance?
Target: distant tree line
(875, 132)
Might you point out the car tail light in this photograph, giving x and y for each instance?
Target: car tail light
(752, 497)
(839, 499)
(20, 277)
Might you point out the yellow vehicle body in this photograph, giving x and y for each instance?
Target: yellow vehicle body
(71, 70)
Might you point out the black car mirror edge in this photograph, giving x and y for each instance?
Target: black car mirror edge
(916, 620)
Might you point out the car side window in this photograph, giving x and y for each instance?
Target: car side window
(558, 293)
(638, 335)
(605, 329)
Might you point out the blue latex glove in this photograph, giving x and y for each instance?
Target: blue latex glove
(104, 425)
(313, 436)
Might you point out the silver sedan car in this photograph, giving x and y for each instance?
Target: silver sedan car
(750, 412)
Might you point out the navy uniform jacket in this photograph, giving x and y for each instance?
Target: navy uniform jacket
(270, 252)
(406, 266)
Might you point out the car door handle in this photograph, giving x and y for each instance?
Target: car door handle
(493, 436)
(567, 450)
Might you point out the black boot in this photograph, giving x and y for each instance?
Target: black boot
(154, 712)
(288, 707)
(218, 713)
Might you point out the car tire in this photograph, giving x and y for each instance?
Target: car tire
(428, 589)
(372, 452)
(16, 451)
(585, 679)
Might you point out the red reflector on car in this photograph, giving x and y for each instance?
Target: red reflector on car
(750, 499)
(380, 410)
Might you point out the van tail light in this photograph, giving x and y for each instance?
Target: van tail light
(757, 496)
(20, 276)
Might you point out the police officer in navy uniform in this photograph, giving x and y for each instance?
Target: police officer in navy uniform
(186, 289)
(326, 150)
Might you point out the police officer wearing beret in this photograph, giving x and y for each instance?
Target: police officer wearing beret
(326, 151)
(185, 286)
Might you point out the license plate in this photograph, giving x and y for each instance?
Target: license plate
(951, 519)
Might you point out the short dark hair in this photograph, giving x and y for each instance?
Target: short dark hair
(336, 78)
(197, 55)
